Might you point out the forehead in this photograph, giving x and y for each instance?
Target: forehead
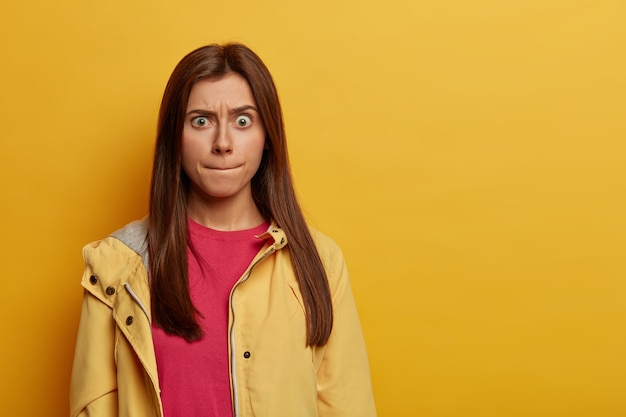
(232, 90)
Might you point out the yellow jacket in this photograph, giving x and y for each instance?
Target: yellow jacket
(273, 372)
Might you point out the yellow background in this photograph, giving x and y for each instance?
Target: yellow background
(468, 156)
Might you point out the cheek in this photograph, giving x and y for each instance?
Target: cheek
(190, 149)
(257, 150)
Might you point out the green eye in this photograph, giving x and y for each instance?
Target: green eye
(243, 121)
(200, 121)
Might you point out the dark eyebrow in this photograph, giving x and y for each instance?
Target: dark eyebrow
(235, 110)
(243, 108)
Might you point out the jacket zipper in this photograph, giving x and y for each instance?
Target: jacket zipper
(232, 333)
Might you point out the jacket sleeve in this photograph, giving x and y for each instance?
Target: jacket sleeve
(343, 376)
(93, 386)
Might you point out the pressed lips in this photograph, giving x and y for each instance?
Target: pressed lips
(221, 168)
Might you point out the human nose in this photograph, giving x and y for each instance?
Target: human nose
(222, 143)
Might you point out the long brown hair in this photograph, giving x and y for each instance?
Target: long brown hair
(272, 191)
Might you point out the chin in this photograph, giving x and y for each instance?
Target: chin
(221, 194)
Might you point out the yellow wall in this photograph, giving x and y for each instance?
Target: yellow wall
(469, 156)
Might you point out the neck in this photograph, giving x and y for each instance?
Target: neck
(226, 214)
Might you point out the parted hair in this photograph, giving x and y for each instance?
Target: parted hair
(272, 191)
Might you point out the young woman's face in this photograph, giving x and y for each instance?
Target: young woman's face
(223, 139)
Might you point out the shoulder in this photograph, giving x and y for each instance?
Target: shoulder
(118, 254)
(130, 237)
(134, 235)
(331, 256)
(326, 246)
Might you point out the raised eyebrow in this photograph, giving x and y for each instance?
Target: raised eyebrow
(242, 109)
(236, 110)
(200, 112)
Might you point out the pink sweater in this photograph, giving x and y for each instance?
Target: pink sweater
(194, 377)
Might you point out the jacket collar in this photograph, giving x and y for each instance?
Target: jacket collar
(134, 236)
(276, 234)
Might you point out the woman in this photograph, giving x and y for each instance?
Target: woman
(222, 302)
